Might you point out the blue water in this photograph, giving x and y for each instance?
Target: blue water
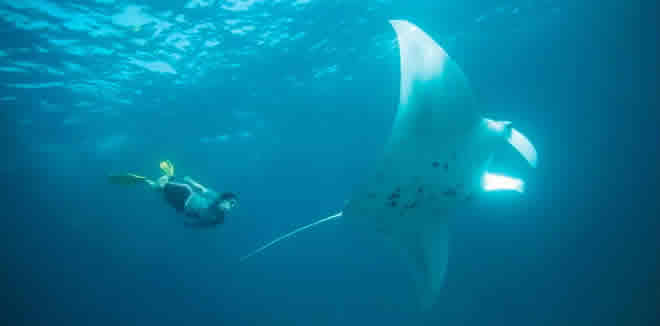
(287, 103)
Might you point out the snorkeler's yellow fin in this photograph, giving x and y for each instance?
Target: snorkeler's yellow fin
(127, 179)
(167, 167)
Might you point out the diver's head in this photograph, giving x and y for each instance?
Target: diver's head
(227, 201)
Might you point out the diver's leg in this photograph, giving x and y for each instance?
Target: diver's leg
(195, 184)
(152, 184)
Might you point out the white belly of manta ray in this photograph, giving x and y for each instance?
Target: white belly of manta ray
(436, 159)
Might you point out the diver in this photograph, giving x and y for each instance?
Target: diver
(201, 206)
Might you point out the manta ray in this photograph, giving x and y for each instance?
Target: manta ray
(436, 159)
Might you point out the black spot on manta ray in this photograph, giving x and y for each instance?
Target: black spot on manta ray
(420, 189)
(394, 195)
(435, 164)
(445, 166)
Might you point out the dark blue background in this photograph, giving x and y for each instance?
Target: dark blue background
(579, 248)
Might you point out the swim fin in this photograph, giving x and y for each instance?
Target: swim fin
(127, 179)
(167, 167)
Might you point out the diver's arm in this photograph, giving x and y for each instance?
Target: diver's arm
(195, 184)
(152, 184)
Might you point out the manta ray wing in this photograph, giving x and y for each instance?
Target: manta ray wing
(426, 171)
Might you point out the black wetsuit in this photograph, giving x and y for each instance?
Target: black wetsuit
(176, 194)
(201, 207)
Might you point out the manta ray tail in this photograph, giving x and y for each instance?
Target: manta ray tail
(290, 234)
